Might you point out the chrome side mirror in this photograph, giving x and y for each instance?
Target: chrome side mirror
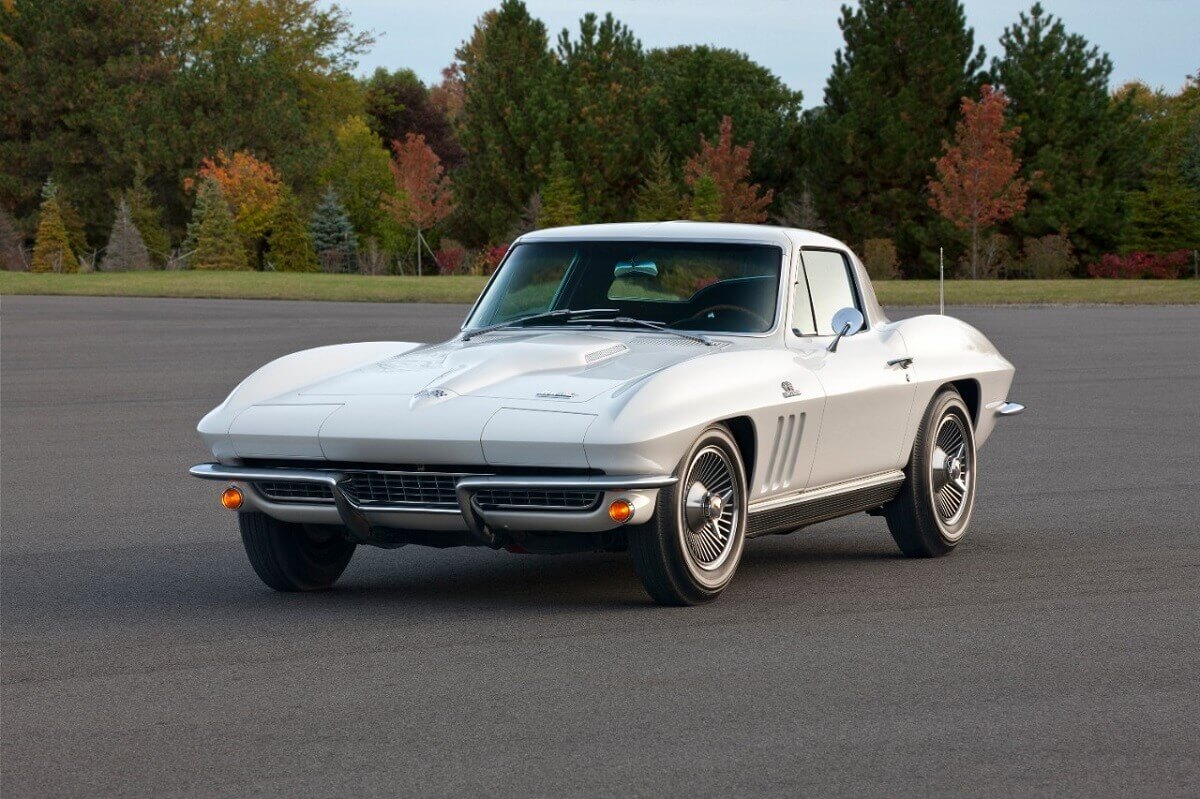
(846, 322)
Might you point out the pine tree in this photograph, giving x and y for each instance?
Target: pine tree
(658, 199)
(508, 121)
(217, 244)
(1162, 218)
(52, 247)
(332, 234)
(890, 101)
(11, 259)
(126, 251)
(147, 217)
(289, 247)
(1075, 155)
(705, 202)
(561, 202)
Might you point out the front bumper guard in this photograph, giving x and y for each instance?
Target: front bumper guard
(353, 515)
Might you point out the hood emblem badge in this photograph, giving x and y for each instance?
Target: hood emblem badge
(555, 395)
(788, 390)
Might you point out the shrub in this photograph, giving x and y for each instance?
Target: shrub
(12, 258)
(995, 258)
(1048, 258)
(371, 259)
(126, 250)
(1136, 265)
(880, 258)
(450, 260)
(492, 257)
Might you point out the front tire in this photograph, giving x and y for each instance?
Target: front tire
(288, 557)
(688, 553)
(931, 513)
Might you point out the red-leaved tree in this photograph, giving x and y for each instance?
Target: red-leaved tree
(423, 193)
(977, 184)
(729, 167)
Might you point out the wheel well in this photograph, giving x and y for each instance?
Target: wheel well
(742, 430)
(969, 389)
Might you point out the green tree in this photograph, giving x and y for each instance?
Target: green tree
(333, 234)
(52, 249)
(705, 203)
(694, 87)
(357, 170)
(508, 119)
(1163, 217)
(561, 202)
(146, 215)
(658, 199)
(213, 232)
(289, 247)
(126, 251)
(11, 241)
(1073, 148)
(605, 93)
(890, 101)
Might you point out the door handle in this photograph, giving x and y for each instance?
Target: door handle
(903, 363)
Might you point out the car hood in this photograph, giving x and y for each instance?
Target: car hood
(553, 366)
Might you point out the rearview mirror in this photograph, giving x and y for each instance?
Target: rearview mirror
(846, 322)
(647, 268)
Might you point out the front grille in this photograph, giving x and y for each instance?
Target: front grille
(537, 499)
(403, 489)
(294, 491)
(426, 490)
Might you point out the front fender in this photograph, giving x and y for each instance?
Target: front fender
(285, 375)
(646, 426)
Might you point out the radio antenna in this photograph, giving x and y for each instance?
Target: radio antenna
(941, 282)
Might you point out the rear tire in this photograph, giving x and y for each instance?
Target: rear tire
(931, 513)
(688, 553)
(288, 557)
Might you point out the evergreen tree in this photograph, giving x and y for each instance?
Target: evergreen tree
(332, 234)
(705, 203)
(694, 87)
(1074, 153)
(213, 233)
(604, 94)
(508, 119)
(147, 217)
(126, 251)
(1163, 217)
(52, 248)
(561, 203)
(890, 101)
(289, 247)
(11, 259)
(658, 199)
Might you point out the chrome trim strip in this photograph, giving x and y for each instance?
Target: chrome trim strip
(1010, 409)
(826, 491)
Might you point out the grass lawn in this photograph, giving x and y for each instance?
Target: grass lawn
(463, 289)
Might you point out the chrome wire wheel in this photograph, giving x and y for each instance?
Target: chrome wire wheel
(951, 472)
(711, 512)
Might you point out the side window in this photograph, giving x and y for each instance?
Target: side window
(830, 286)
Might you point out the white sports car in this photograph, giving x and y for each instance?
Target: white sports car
(672, 389)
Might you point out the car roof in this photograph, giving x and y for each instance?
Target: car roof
(687, 231)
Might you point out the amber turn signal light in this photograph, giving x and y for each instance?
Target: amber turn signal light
(232, 498)
(620, 511)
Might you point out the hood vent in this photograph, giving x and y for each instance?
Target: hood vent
(607, 352)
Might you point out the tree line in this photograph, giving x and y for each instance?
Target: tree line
(234, 134)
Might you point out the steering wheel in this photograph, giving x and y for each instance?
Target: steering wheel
(765, 323)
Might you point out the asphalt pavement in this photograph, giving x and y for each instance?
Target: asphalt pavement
(1056, 652)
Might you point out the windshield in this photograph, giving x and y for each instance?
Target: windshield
(726, 288)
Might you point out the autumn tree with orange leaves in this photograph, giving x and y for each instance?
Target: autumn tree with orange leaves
(977, 184)
(729, 167)
(423, 193)
(251, 187)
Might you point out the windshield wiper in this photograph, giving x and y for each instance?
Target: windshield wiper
(661, 327)
(566, 314)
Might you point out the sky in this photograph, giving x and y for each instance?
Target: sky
(1157, 41)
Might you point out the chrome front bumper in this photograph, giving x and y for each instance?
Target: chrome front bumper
(484, 524)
